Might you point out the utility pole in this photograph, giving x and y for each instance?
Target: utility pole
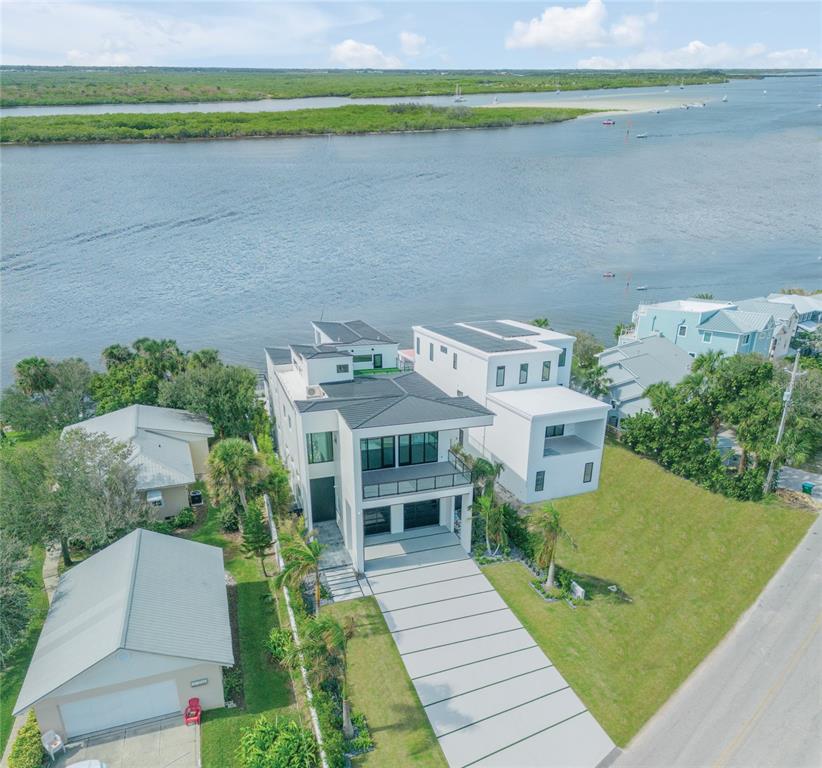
(786, 399)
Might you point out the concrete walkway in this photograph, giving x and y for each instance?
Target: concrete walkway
(50, 579)
(492, 696)
(756, 701)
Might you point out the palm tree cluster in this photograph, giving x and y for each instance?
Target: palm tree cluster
(546, 524)
(301, 553)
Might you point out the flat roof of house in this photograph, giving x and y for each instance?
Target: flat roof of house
(351, 332)
(279, 355)
(502, 329)
(471, 337)
(546, 401)
(148, 593)
(312, 351)
(381, 401)
(691, 305)
(492, 336)
(803, 304)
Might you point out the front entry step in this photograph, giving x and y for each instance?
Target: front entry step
(342, 583)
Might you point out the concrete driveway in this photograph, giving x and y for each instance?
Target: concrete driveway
(165, 743)
(492, 696)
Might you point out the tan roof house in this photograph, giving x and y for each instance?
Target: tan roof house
(170, 450)
(132, 634)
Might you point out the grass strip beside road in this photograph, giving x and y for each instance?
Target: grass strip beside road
(691, 563)
(182, 126)
(381, 689)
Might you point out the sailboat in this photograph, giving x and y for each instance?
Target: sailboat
(458, 97)
(682, 85)
(724, 98)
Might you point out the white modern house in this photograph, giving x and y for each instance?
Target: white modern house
(370, 454)
(547, 436)
(808, 308)
(133, 633)
(170, 450)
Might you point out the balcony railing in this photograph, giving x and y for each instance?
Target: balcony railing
(416, 478)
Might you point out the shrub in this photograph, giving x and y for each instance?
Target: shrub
(232, 683)
(277, 744)
(230, 517)
(27, 751)
(280, 644)
(160, 526)
(185, 518)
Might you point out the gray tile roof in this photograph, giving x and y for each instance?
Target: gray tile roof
(351, 332)
(310, 351)
(148, 593)
(279, 355)
(477, 339)
(634, 366)
(501, 329)
(736, 321)
(380, 401)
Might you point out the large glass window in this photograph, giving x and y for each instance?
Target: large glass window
(419, 448)
(557, 430)
(546, 370)
(320, 447)
(377, 452)
(523, 373)
(362, 358)
(562, 355)
(500, 375)
(377, 520)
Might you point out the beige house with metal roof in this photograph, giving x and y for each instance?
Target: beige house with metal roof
(170, 450)
(132, 634)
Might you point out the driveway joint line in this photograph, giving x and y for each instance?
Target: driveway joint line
(466, 640)
(477, 661)
(488, 685)
(448, 621)
(441, 600)
(430, 583)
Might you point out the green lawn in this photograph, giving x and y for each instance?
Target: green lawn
(11, 679)
(691, 563)
(267, 688)
(381, 689)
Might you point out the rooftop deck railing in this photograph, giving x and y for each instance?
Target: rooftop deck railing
(461, 475)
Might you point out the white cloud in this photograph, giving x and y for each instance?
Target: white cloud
(411, 43)
(356, 55)
(168, 34)
(698, 55)
(560, 27)
(579, 26)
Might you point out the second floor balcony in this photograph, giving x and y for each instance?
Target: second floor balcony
(415, 478)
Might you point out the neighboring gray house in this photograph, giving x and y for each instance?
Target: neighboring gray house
(785, 317)
(170, 450)
(633, 366)
(132, 634)
(809, 308)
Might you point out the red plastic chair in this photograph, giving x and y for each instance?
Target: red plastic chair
(192, 713)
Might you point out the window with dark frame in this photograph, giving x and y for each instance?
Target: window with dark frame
(523, 373)
(320, 447)
(377, 452)
(589, 472)
(540, 483)
(682, 330)
(417, 448)
(555, 430)
(431, 351)
(562, 356)
(342, 368)
(443, 349)
(454, 362)
(500, 375)
(546, 370)
(418, 344)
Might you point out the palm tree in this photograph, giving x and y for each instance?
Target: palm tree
(35, 376)
(486, 473)
(541, 322)
(232, 467)
(301, 552)
(493, 515)
(546, 524)
(325, 642)
(116, 354)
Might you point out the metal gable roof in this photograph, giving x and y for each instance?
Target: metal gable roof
(736, 322)
(146, 592)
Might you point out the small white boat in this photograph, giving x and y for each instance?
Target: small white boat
(682, 86)
(642, 287)
(641, 136)
(724, 98)
(764, 92)
(458, 97)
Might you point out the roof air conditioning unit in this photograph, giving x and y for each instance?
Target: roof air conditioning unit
(315, 391)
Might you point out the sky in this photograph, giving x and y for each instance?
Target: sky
(597, 34)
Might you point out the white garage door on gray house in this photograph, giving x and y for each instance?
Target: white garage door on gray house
(132, 634)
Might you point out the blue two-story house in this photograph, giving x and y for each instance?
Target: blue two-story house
(700, 325)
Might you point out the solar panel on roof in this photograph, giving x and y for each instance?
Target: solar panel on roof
(502, 329)
(478, 339)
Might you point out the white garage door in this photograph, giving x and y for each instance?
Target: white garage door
(99, 713)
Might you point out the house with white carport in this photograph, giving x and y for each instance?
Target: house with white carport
(170, 450)
(133, 633)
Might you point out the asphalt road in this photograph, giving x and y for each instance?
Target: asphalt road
(756, 701)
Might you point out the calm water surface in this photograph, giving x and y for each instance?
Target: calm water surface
(238, 244)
